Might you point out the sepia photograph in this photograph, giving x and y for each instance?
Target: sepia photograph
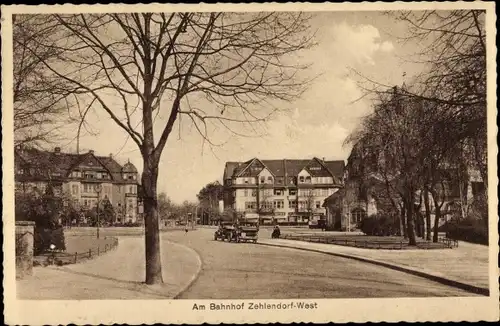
(249, 163)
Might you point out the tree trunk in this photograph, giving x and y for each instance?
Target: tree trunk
(418, 229)
(436, 223)
(428, 225)
(437, 215)
(403, 221)
(152, 236)
(412, 240)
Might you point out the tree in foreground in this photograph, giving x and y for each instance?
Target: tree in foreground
(146, 70)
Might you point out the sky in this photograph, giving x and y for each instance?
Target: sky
(315, 126)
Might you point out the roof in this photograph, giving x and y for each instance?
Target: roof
(286, 167)
(129, 168)
(64, 163)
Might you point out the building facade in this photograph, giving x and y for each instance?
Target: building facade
(283, 191)
(83, 179)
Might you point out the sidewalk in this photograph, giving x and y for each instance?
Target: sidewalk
(465, 267)
(118, 274)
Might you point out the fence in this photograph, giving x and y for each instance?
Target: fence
(373, 244)
(65, 258)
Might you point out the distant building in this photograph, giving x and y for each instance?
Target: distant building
(76, 177)
(281, 190)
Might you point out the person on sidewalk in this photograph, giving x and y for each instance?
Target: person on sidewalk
(276, 232)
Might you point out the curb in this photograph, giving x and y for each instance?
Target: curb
(439, 279)
(195, 275)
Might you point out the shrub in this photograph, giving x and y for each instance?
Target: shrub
(44, 237)
(45, 210)
(378, 225)
(469, 230)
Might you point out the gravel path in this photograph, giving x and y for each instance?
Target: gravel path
(116, 275)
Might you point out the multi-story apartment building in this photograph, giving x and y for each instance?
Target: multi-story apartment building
(84, 179)
(281, 190)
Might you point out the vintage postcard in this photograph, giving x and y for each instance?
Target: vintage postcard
(249, 163)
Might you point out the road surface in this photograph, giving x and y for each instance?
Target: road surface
(252, 271)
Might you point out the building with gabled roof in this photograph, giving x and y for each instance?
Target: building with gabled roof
(284, 190)
(84, 179)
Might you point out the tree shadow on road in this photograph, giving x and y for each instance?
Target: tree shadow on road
(162, 291)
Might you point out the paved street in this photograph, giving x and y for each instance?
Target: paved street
(232, 270)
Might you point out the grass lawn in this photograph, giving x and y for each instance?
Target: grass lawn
(78, 248)
(83, 243)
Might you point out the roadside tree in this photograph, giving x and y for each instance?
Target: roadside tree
(215, 69)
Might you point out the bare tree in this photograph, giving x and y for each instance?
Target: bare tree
(391, 140)
(453, 79)
(215, 69)
(40, 101)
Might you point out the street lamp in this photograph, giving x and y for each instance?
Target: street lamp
(98, 189)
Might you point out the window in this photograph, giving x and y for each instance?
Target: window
(245, 192)
(250, 205)
(292, 203)
(292, 192)
(278, 192)
(254, 193)
(245, 181)
(279, 204)
(357, 215)
(74, 189)
(308, 179)
(279, 181)
(318, 204)
(301, 178)
(270, 179)
(262, 179)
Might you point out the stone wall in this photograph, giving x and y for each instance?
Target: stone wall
(24, 248)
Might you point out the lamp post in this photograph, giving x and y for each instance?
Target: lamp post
(98, 189)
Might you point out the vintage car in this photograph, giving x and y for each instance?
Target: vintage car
(248, 233)
(237, 233)
(226, 232)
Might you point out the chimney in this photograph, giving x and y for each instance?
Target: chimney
(57, 150)
(91, 151)
(110, 155)
(323, 159)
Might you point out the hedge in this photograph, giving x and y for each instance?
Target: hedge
(379, 226)
(470, 233)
